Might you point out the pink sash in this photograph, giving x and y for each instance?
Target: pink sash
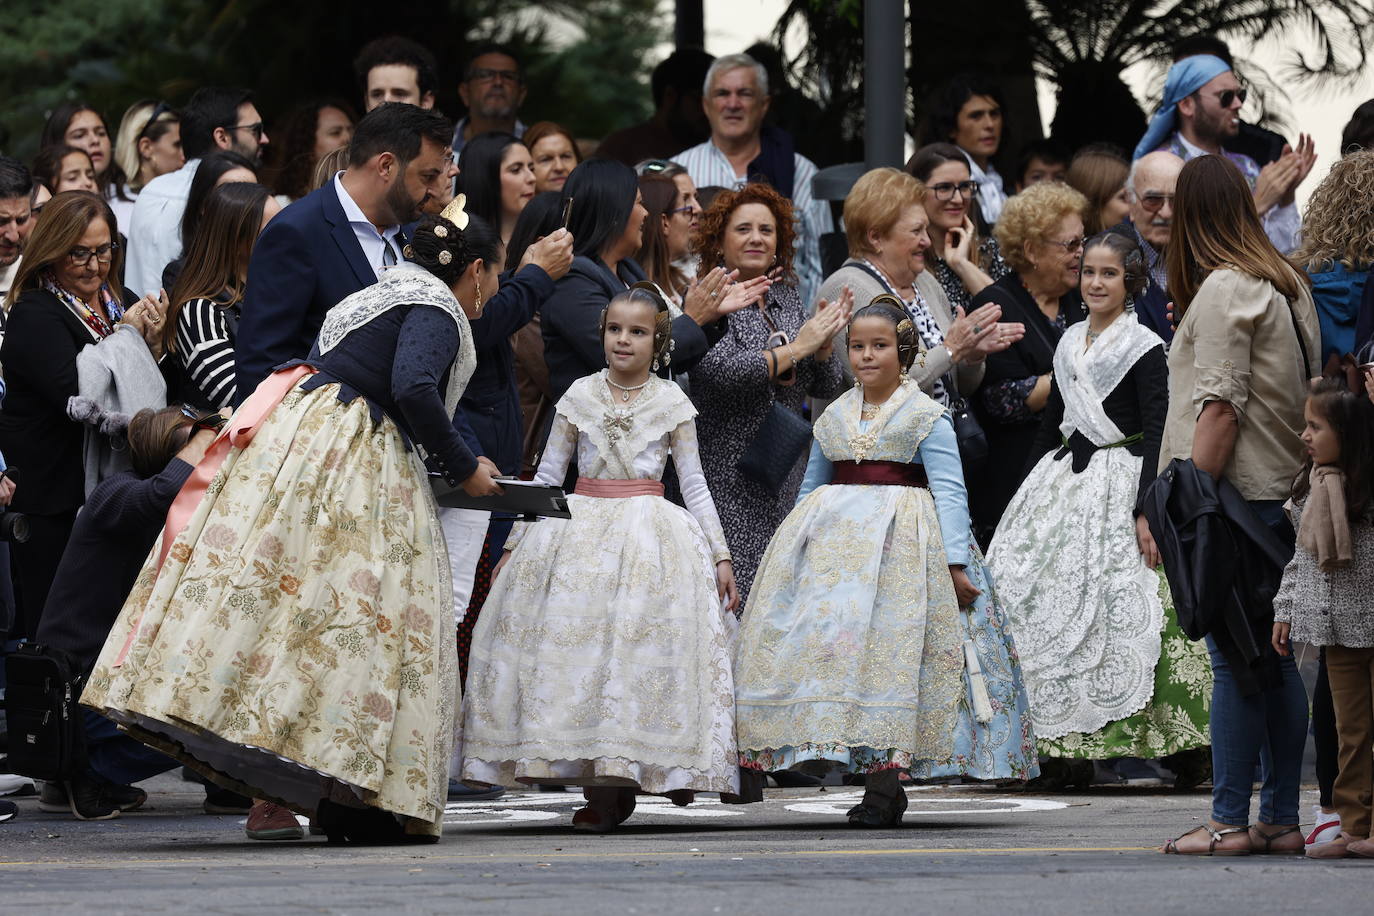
(238, 432)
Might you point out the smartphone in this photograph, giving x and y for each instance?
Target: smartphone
(567, 212)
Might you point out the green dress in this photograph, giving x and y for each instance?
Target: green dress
(1174, 720)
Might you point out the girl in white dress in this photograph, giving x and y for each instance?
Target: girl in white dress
(601, 658)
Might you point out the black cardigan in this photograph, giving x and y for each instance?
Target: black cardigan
(1138, 404)
(1009, 444)
(571, 321)
(42, 339)
(110, 541)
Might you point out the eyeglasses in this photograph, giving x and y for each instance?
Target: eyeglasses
(945, 190)
(81, 255)
(690, 208)
(654, 166)
(254, 129)
(159, 110)
(1070, 246)
(1227, 96)
(487, 75)
(1154, 202)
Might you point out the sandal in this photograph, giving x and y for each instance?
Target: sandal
(1259, 836)
(1171, 847)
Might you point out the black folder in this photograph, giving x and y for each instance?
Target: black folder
(521, 498)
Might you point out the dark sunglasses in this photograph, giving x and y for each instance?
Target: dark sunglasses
(1227, 96)
(1155, 202)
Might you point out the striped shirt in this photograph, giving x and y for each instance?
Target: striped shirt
(205, 344)
(708, 167)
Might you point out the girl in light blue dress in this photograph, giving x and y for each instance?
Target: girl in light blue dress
(853, 648)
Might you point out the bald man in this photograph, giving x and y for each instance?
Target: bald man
(1150, 221)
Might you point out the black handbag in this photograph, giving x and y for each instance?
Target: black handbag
(773, 453)
(973, 442)
(42, 705)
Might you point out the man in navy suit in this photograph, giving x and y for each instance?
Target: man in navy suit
(336, 240)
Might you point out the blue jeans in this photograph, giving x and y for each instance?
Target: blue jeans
(117, 758)
(1268, 728)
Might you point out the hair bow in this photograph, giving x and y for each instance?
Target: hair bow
(455, 213)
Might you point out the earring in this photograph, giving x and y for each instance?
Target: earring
(655, 363)
(478, 281)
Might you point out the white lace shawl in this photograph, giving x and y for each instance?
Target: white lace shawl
(1086, 377)
(621, 431)
(405, 284)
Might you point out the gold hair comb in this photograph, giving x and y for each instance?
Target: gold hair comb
(455, 213)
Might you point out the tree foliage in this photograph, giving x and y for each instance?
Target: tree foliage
(1081, 46)
(586, 60)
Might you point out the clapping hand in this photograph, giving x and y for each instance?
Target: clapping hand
(817, 336)
(146, 316)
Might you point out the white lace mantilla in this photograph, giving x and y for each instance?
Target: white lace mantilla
(1086, 377)
(842, 437)
(405, 284)
(621, 431)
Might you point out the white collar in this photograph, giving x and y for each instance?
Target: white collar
(977, 173)
(354, 212)
(1193, 150)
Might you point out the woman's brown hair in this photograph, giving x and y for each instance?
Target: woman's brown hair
(541, 129)
(659, 194)
(60, 226)
(1351, 417)
(216, 264)
(709, 238)
(929, 158)
(1216, 227)
(1098, 174)
(155, 437)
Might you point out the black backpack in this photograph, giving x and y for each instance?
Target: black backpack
(46, 733)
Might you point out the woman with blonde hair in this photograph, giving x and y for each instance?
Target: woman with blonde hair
(148, 145)
(1099, 173)
(887, 228)
(1041, 236)
(1337, 249)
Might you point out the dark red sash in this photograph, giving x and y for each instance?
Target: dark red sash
(881, 473)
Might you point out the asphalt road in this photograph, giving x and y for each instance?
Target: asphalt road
(960, 850)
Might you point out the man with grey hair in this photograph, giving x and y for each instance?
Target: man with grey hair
(741, 150)
(1150, 221)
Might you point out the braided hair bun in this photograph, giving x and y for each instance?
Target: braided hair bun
(889, 308)
(444, 250)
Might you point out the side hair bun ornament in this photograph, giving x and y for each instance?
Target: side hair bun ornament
(454, 213)
(445, 257)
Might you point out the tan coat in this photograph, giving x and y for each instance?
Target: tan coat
(1236, 344)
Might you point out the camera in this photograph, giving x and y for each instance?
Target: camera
(13, 526)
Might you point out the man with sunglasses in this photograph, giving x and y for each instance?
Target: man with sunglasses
(1150, 186)
(214, 118)
(492, 90)
(1200, 111)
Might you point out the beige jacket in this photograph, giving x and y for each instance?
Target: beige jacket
(1236, 344)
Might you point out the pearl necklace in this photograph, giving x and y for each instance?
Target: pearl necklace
(626, 389)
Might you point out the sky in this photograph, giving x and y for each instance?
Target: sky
(733, 25)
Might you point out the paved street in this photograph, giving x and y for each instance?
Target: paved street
(960, 850)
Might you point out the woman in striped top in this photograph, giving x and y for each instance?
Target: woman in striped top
(209, 293)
